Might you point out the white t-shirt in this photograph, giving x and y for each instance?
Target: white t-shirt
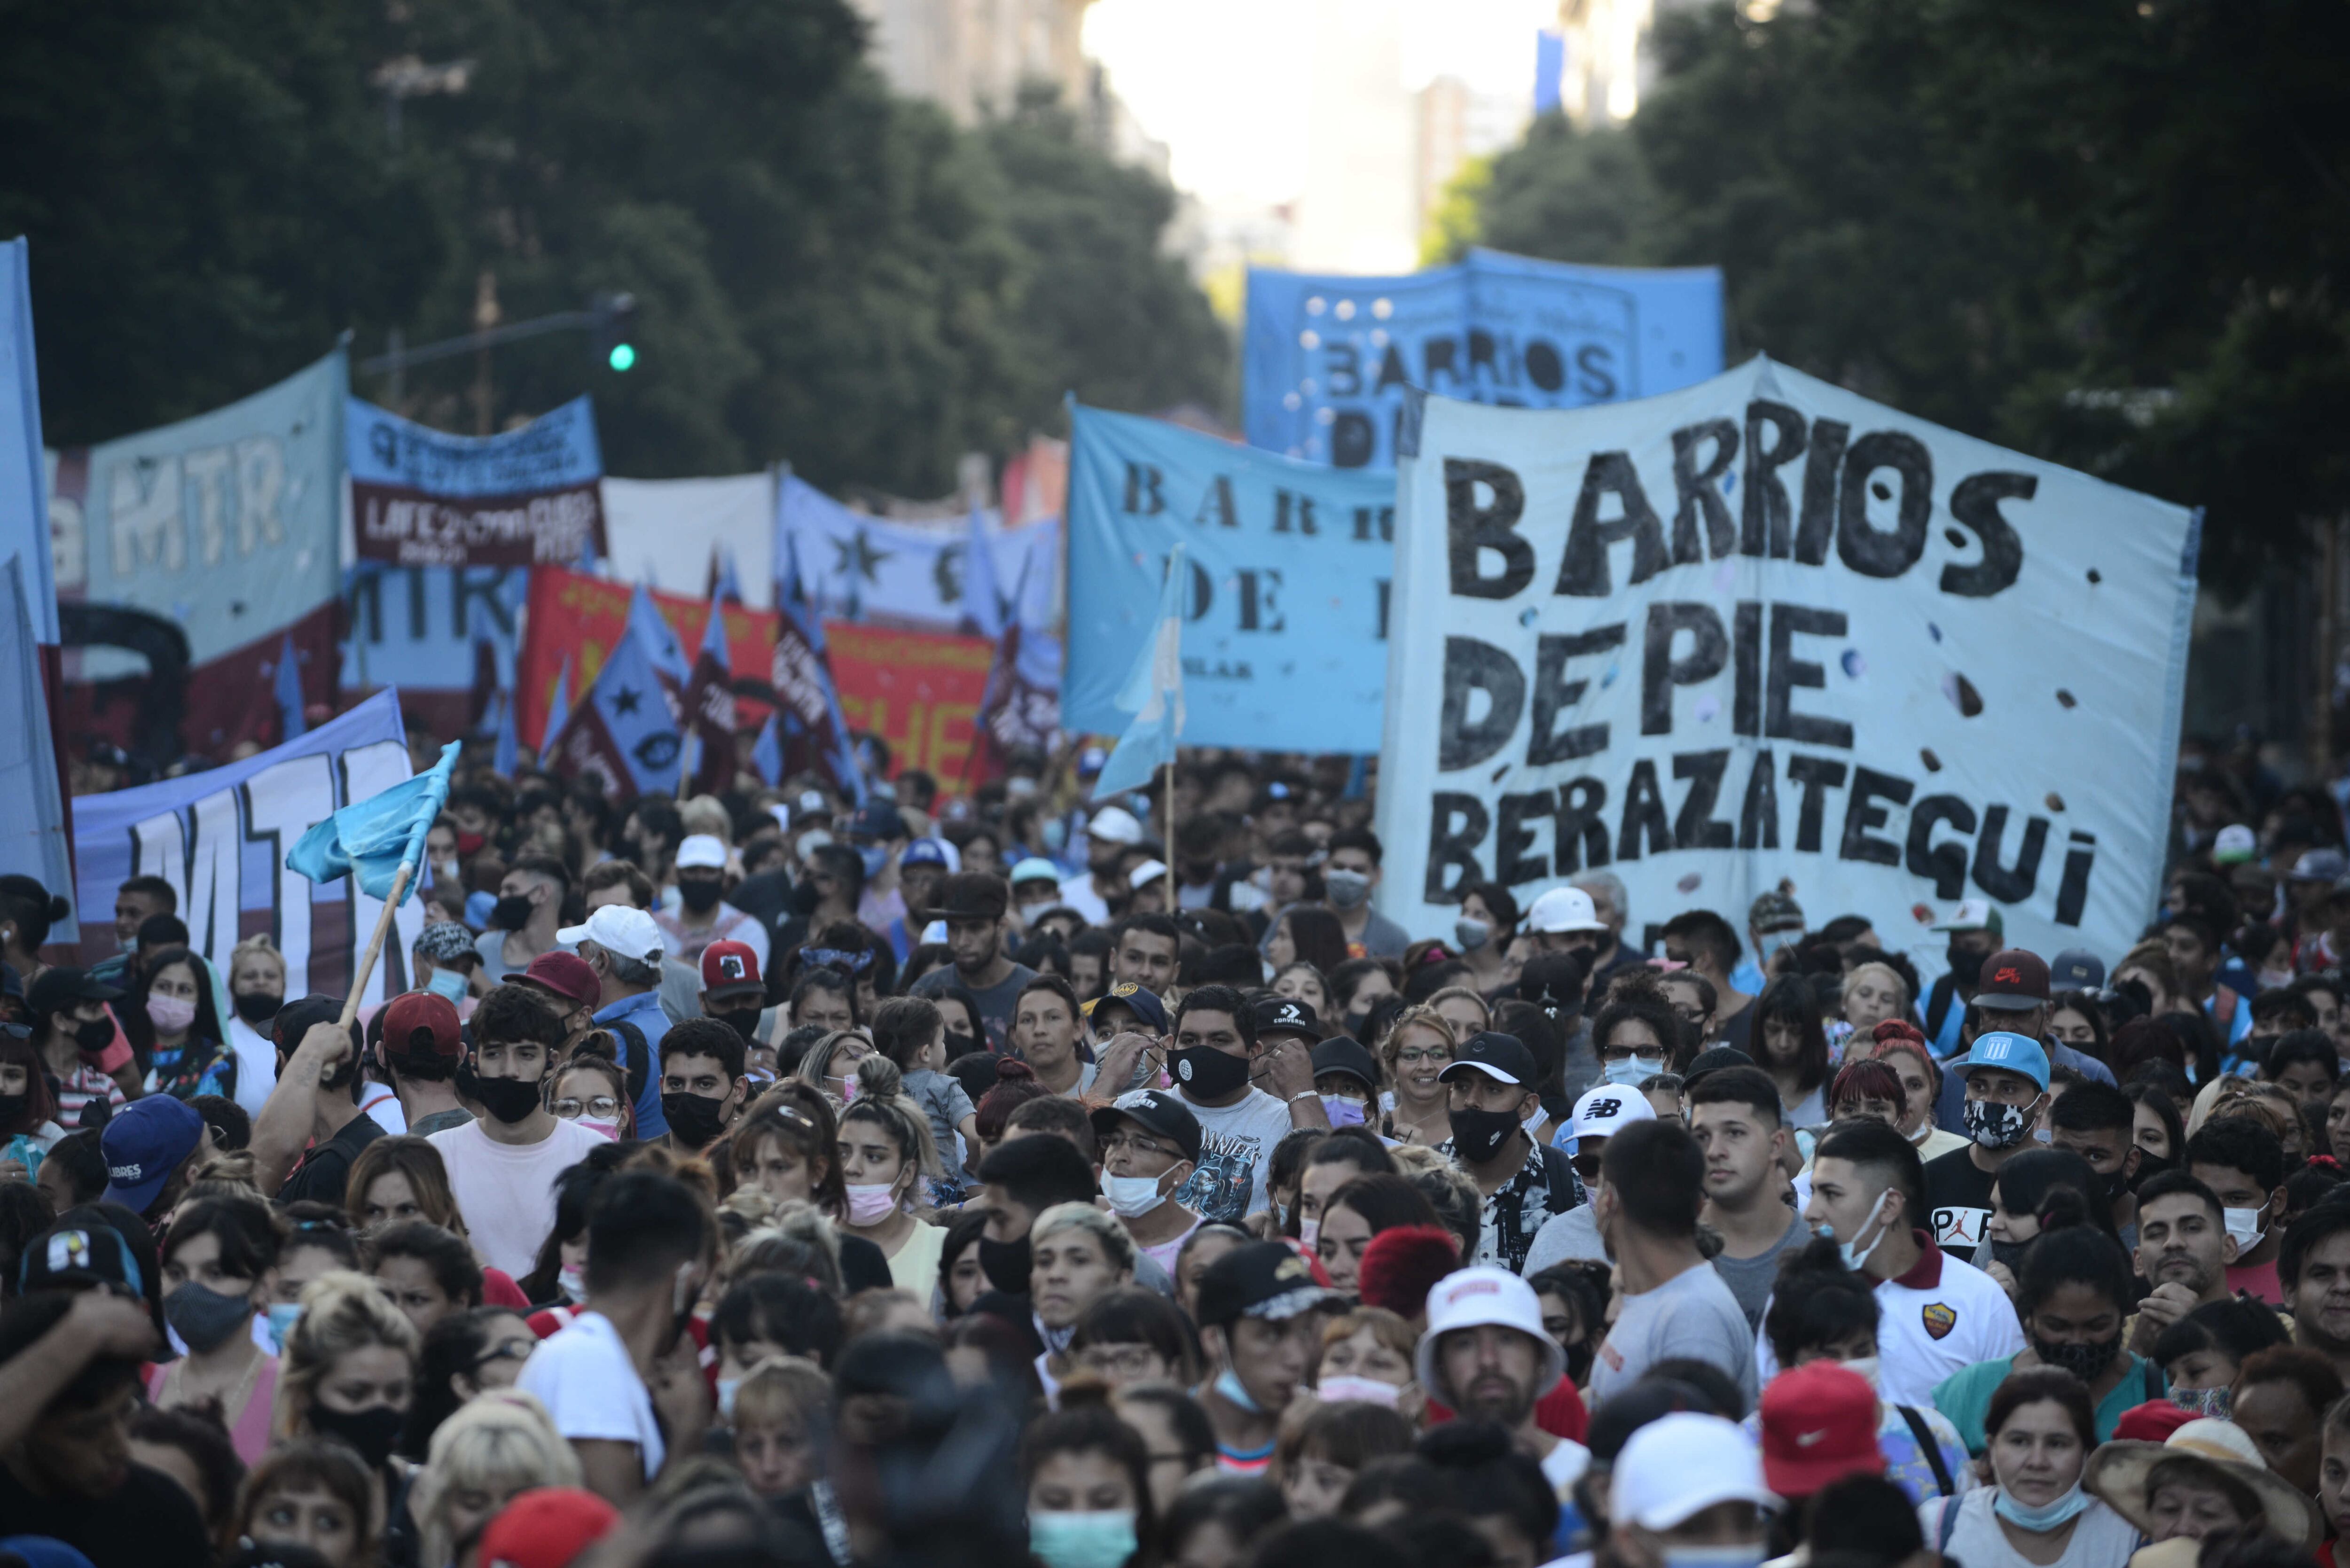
(1940, 1317)
(1077, 893)
(256, 1064)
(583, 1376)
(2100, 1538)
(1564, 1466)
(1235, 1146)
(379, 1103)
(506, 1191)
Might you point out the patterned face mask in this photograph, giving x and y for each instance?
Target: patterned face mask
(1994, 1126)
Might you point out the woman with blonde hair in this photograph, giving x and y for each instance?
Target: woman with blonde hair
(886, 1156)
(1467, 1012)
(501, 1445)
(349, 1370)
(831, 1064)
(256, 989)
(1874, 993)
(395, 1179)
(1416, 1047)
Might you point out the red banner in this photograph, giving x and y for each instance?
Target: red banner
(918, 691)
(578, 617)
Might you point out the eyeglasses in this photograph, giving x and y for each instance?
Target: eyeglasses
(1429, 1053)
(602, 1107)
(1136, 1144)
(1118, 1360)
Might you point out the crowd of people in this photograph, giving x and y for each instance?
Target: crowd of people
(778, 1179)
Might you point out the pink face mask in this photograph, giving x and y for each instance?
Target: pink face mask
(170, 1014)
(609, 1130)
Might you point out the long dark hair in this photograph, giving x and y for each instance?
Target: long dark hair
(140, 1029)
(1317, 936)
(1791, 1000)
(40, 1105)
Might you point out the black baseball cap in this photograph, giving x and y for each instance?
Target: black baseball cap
(60, 988)
(1714, 1058)
(1503, 1057)
(1156, 1112)
(1287, 1015)
(1265, 1280)
(1341, 1054)
(76, 1254)
(293, 1021)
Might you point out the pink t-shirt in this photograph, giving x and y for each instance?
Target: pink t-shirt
(248, 1428)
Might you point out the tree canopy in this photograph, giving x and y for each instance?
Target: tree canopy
(2110, 233)
(825, 272)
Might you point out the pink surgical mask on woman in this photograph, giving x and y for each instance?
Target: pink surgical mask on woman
(170, 1014)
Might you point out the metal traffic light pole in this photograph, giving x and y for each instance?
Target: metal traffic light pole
(610, 317)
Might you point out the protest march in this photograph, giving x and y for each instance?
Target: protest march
(1576, 940)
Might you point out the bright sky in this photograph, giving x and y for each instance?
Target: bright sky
(1227, 84)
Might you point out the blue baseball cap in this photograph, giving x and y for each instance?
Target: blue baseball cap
(144, 1143)
(1145, 1005)
(925, 852)
(2007, 1051)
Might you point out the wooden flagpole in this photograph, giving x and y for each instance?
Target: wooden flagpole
(374, 942)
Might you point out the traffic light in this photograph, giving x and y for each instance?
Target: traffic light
(616, 328)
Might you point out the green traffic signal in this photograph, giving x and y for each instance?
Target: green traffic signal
(623, 355)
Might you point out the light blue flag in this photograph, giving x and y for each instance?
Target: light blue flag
(370, 839)
(507, 751)
(289, 690)
(767, 752)
(983, 604)
(558, 707)
(650, 631)
(624, 732)
(1153, 693)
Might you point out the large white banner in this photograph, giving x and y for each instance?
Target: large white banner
(1761, 629)
(667, 533)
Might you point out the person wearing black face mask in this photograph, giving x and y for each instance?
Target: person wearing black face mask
(702, 1089)
(503, 1165)
(76, 1036)
(1491, 1083)
(1974, 929)
(733, 993)
(348, 1371)
(2073, 1291)
(700, 915)
(523, 922)
(2098, 1121)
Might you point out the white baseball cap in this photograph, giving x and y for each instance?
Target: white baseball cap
(1608, 1109)
(1565, 910)
(618, 930)
(1147, 873)
(1114, 824)
(1680, 1465)
(1971, 915)
(1474, 1298)
(702, 851)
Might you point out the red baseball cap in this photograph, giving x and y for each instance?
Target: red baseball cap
(1819, 1425)
(566, 975)
(2152, 1422)
(423, 1023)
(547, 1527)
(728, 967)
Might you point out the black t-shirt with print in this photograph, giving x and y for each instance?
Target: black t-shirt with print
(1958, 1195)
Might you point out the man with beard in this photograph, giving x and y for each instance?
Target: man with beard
(703, 916)
(314, 1112)
(523, 921)
(620, 1382)
(420, 1050)
(502, 1167)
(2183, 1250)
(1111, 835)
(1486, 1356)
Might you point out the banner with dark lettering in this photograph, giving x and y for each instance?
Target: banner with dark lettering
(1763, 629)
(1289, 564)
(422, 497)
(220, 838)
(187, 558)
(1327, 360)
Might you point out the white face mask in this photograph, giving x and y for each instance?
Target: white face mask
(1132, 1196)
(1031, 913)
(1310, 1231)
(2244, 1225)
(727, 1388)
(1370, 1390)
(1862, 1366)
(1854, 1252)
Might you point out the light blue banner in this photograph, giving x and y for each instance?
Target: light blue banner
(1286, 612)
(1326, 359)
(554, 451)
(225, 523)
(23, 487)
